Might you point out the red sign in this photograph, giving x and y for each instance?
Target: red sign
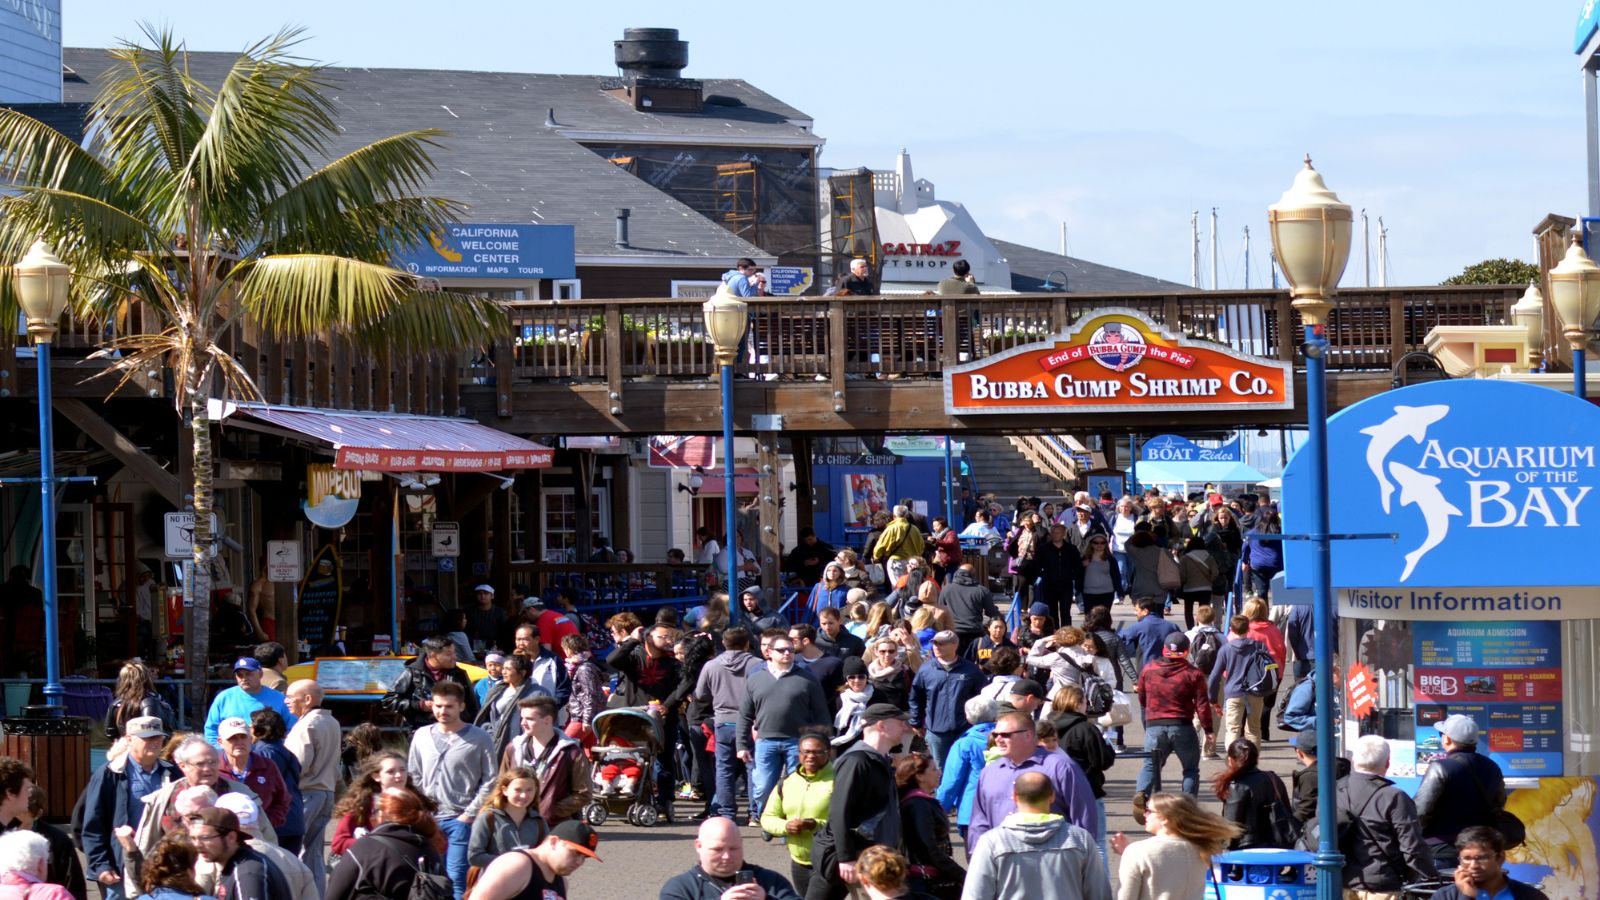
(943, 248)
(1117, 361)
(380, 459)
(1361, 691)
(676, 451)
(1488, 685)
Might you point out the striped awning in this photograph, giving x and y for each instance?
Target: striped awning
(392, 442)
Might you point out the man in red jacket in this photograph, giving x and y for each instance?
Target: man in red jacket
(1173, 692)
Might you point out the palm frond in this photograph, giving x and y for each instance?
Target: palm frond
(32, 154)
(372, 232)
(393, 168)
(376, 306)
(150, 112)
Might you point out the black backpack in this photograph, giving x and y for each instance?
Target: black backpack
(1203, 650)
(1261, 675)
(1098, 695)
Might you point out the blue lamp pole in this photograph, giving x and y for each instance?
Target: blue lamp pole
(41, 281)
(726, 317)
(1311, 233)
(951, 520)
(1575, 293)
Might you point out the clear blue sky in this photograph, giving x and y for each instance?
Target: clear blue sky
(1460, 124)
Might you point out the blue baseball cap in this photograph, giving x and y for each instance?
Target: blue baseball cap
(249, 663)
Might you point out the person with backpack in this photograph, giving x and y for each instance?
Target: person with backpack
(1244, 674)
(1173, 693)
(1258, 611)
(1205, 642)
(1382, 838)
(1255, 799)
(1064, 657)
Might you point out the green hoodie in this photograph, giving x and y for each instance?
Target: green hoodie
(799, 797)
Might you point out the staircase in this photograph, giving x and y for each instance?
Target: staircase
(1011, 467)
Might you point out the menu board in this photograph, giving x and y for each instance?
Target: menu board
(359, 675)
(320, 594)
(1506, 676)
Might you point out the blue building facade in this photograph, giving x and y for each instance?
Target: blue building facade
(30, 51)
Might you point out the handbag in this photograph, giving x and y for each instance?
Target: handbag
(1120, 713)
(1168, 572)
(875, 572)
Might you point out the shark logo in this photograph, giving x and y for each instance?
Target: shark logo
(1416, 489)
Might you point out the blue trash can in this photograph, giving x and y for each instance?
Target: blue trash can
(1263, 875)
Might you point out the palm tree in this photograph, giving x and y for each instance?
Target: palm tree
(208, 205)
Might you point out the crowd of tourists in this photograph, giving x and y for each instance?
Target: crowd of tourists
(856, 722)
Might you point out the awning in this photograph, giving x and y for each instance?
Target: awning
(746, 480)
(392, 442)
(1196, 473)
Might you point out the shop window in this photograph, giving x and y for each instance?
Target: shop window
(568, 288)
(560, 539)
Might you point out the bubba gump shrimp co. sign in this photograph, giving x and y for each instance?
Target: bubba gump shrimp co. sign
(1117, 361)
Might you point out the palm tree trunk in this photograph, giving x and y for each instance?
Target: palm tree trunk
(197, 654)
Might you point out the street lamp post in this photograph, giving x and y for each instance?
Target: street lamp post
(1575, 293)
(1529, 313)
(726, 316)
(1311, 238)
(41, 282)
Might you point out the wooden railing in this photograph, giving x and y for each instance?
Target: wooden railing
(837, 338)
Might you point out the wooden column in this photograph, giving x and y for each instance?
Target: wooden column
(804, 499)
(582, 488)
(1288, 334)
(1397, 327)
(837, 353)
(769, 491)
(621, 494)
(499, 520)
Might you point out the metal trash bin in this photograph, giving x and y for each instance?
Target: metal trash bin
(57, 747)
(1265, 874)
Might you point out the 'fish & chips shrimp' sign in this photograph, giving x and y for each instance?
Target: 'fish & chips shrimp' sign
(1490, 487)
(1117, 361)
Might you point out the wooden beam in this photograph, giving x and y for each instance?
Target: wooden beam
(837, 345)
(769, 491)
(804, 505)
(117, 444)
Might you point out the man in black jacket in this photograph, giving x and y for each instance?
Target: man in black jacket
(722, 873)
(412, 694)
(832, 636)
(1463, 789)
(971, 605)
(115, 797)
(246, 875)
(865, 807)
(1385, 848)
(650, 672)
(1305, 777)
(1060, 573)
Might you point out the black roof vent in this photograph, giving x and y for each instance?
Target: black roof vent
(723, 100)
(652, 53)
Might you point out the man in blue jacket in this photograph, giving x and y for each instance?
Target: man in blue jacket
(1142, 638)
(246, 696)
(940, 692)
(115, 797)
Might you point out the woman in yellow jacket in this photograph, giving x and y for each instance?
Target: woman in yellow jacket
(799, 806)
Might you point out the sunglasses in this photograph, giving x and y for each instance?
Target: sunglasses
(1008, 735)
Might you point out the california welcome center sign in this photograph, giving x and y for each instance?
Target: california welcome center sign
(1116, 360)
(1490, 487)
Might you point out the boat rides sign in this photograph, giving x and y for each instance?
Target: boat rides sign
(1117, 361)
(1490, 487)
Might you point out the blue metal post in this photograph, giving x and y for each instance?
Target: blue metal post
(949, 489)
(1580, 385)
(53, 691)
(1329, 861)
(730, 510)
(1133, 464)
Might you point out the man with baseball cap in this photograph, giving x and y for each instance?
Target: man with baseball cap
(865, 808)
(484, 619)
(939, 694)
(1025, 696)
(246, 696)
(1463, 789)
(540, 871)
(244, 874)
(115, 797)
(295, 872)
(241, 765)
(1173, 692)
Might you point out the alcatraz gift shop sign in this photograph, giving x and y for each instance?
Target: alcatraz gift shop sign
(1490, 489)
(1117, 361)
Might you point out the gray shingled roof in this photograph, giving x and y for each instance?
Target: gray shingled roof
(1030, 268)
(503, 162)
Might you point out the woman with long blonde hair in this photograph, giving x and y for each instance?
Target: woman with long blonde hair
(1175, 862)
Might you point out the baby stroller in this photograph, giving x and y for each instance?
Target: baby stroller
(627, 741)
